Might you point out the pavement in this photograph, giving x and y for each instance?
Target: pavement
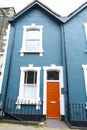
(49, 125)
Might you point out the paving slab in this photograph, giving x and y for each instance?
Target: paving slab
(55, 123)
(50, 125)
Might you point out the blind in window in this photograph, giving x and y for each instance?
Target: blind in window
(32, 40)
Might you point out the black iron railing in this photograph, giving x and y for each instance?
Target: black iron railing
(78, 114)
(24, 110)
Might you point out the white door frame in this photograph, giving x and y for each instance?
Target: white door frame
(60, 70)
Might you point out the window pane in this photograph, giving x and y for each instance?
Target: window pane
(30, 77)
(32, 40)
(32, 45)
(30, 91)
(52, 75)
(33, 34)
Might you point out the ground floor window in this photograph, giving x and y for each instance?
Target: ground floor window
(29, 88)
(85, 76)
(30, 84)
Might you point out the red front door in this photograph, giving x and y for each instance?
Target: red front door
(53, 100)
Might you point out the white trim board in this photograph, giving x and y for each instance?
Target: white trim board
(60, 70)
(85, 76)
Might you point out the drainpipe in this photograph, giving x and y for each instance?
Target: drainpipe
(66, 70)
(9, 68)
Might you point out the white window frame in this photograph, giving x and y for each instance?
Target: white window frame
(60, 70)
(85, 76)
(25, 28)
(85, 28)
(20, 99)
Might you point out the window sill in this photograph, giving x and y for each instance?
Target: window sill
(52, 80)
(22, 52)
(26, 102)
(20, 102)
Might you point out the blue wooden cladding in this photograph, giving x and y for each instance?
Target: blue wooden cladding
(63, 50)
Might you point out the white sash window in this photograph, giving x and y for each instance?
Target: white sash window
(29, 88)
(85, 76)
(32, 39)
(85, 27)
(30, 84)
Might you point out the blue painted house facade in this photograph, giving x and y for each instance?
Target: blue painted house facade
(46, 65)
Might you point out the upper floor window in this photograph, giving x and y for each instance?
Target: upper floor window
(32, 39)
(85, 27)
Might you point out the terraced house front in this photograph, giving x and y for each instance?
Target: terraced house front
(45, 73)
